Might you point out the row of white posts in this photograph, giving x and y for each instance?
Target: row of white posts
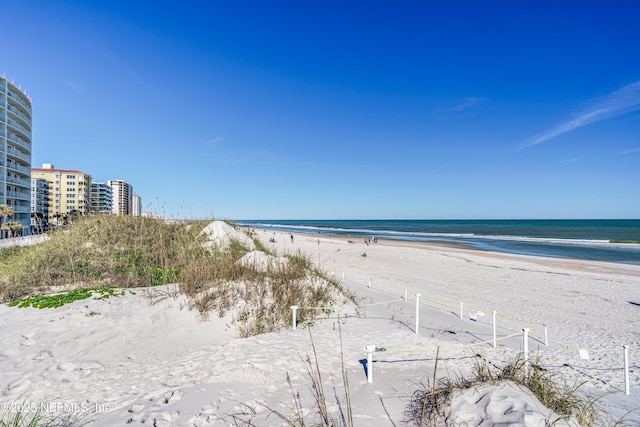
(370, 349)
(525, 340)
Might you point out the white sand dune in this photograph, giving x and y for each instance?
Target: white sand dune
(263, 262)
(145, 359)
(220, 234)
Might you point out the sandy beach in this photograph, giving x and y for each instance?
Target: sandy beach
(145, 359)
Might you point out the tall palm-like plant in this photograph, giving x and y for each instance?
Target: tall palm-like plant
(12, 226)
(5, 212)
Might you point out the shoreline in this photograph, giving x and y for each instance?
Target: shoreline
(595, 245)
(435, 245)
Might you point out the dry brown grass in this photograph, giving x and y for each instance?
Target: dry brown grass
(124, 252)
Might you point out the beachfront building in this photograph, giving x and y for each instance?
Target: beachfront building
(122, 196)
(40, 199)
(136, 206)
(101, 198)
(15, 155)
(69, 191)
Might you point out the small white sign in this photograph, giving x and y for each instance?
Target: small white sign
(584, 354)
(473, 315)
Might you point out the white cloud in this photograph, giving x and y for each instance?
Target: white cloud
(214, 141)
(629, 151)
(575, 159)
(620, 102)
(463, 105)
(74, 86)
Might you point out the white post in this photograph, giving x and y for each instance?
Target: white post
(525, 343)
(405, 294)
(370, 349)
(546, 337)
(343, 276)
(294, 308)
(417, 313)
(494, 329)
(369, 283)
(461, 305)
(626, 369)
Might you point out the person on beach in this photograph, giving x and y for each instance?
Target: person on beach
(291, 237)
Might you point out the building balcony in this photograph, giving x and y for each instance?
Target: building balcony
(21, 209)
(19, 168)
(19, 181)
(19, 114)
(21, 142)
(19, 100)
(18, 195)
(26, 132)
(18, 154)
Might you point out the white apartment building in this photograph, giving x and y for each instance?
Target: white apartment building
(136, 207)
(122, 196)
(15, 153)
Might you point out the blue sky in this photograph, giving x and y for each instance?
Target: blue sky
(339, 110)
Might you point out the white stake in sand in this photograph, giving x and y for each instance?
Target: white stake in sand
(295, 309)
(494, 329)
(369, 349)
(625, 350)
(417, 313)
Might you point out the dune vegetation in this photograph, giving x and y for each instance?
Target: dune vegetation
(95, 255)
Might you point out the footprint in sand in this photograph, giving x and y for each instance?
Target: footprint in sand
(17, 387)
(42, 355)
(172, 397)
(67, 366)
(28, 339)
(164, 419)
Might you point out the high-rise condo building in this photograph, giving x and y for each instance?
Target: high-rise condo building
(39, 205)
(122, 196)
(136, 208)
(101, 198)
(15, 154)
(69, 190)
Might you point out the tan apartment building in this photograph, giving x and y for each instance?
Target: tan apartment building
(69, 190)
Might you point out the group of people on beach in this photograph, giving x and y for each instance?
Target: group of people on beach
(367, 240)
(273, 240)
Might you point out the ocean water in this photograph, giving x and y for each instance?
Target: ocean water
(603, 240)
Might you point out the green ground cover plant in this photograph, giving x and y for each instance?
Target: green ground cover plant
(57, 300)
